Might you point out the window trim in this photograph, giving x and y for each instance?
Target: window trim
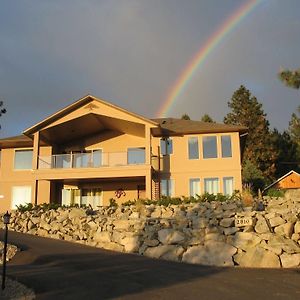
(165, 139)
(222, 146)
(172, 190)
(199, 182)
(223, 179)
(211, 178)
(135, 164)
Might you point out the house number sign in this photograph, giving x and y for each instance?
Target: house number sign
(243, 221)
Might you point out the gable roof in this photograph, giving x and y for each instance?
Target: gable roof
(16, 141)
(175, 126)
(281, 178)
(75, 105)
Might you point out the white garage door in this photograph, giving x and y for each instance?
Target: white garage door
(20, 195)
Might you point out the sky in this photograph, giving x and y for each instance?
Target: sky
(131, 52)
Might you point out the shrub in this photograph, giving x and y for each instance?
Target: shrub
(275, 193)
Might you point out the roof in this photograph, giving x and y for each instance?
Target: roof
(174, 126)
(279, 179)
(82, 101)
(16, 141)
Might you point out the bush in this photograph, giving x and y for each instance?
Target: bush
(275, 193)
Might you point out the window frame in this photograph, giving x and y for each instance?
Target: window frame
(221, 139)
(198, 150)
(223, 181)
(165, 139)
(14, 159)
(136, 148)
(170, 182)
(212, 179)
(203, 146)
(194, 179)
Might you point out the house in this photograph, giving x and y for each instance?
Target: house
(92, 151)
(290, 180)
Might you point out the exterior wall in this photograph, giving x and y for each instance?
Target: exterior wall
(290, 182)
(180, 168)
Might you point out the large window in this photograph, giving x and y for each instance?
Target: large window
(210, 147)
(23, 159)
(211, 185)
(21, 195)
(167, 187)
(228, 186)
(193, 148)
(226, 146)
(136, 156)
(166, 146)
(194, 187)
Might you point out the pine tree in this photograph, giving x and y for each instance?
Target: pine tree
(185, 117)
(290, 78)
(2, 110)
(207, 118)
(259, 150)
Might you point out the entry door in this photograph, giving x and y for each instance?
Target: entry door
(21, 195)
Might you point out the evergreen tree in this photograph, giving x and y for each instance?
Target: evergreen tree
(2, 110)
(294, 129)
(287, 159)
(185, 117)
(207, 118)
(259, 150)
(290, 78)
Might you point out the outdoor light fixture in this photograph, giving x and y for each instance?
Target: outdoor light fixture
(6, 219)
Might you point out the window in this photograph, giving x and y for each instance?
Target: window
(167, 187)
(136, 156)
(226, 146)
(194, 187)
(23, 159)
(166, 146)
(20, 196)
(87, 159)
(193, 148)
(210, 147)
(228, 185)
(211, 185)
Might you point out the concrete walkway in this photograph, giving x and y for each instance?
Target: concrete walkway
(63, 270)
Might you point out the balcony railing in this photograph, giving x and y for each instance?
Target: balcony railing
(95, 159)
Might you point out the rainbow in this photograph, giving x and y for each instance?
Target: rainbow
(198, 60)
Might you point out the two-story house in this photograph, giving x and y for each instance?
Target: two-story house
(92, 151)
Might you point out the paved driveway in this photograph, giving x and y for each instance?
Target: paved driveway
(63, 270)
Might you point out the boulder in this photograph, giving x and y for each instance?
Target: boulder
(159, 251)
(76, 213)
(151, 242)
(213, 253)
(297, 227)
(261, 226)
(170, 236)
(257, 257)
(287, 245)
(290, 260)
(276, 221)
(227, 222)
(285, 229)
(198, 223)
(230, 230)
(131, 243)
(244, 240)
(102, 237)
(121, 224)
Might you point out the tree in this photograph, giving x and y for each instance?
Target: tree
(290, 78)
(2, 109)
(185, 117)
(259, 150)
(294, 129)
(207, 118)
(288, 156)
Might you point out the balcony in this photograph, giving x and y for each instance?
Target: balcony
(93, 159)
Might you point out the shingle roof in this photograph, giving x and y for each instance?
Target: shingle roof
(173, 126)
(16, 141)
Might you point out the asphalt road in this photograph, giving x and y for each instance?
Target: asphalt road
(63, 270)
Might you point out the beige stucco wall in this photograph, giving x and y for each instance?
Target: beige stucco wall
(180, 168)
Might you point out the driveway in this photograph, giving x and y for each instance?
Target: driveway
(64, 270)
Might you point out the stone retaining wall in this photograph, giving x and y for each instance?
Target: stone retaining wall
(203, 233)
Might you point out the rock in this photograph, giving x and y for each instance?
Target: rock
(111, 246)
(103, 237)
(227, 222)
(261, 226)
(259, 258)
(276, 249)
(297, 227)
(230, 230)
(295, 237)
(290, 260)
(285, 244)
(121, 224)
(285, 229)
(212, 254)
(173, 255)
(214, 237)
(151, 242)
(170, 236)
(276, 221)
(131, 243)
(76, 213)
(198, 223)
(159, 251)
(244, 240)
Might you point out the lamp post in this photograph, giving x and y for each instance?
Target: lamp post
(6, 219)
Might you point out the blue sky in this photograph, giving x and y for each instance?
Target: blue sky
(130, 52)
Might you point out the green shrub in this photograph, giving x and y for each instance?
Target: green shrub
(25, 207)
(275, 193)
(113, 203)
